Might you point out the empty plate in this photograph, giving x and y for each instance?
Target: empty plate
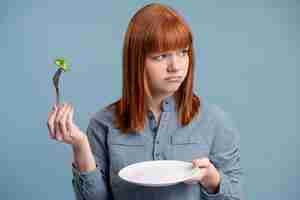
(159, 172)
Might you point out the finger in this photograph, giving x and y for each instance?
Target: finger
(74, 129)
(196, 177)
(58, 126)
(201, 163)
(63, 122)
(67, 123)
(55, 123)
(70, 121)
(50, 122)
(191, 181)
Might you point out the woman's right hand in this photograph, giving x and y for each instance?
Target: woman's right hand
(61, 127)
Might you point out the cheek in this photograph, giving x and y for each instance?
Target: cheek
(187, 61)
(185, 65)
(155, 71)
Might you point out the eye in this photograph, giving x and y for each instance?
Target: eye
(183, 52)
(159, 57)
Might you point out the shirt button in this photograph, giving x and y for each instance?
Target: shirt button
(157, 142)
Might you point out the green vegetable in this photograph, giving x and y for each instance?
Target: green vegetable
(61, 63)
(196, 171)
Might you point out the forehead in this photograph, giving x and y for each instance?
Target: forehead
(168, 36)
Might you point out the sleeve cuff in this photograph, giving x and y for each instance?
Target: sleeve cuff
(90, 185)
(220, 194)
(89, 177)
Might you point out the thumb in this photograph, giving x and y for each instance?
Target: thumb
(195, 163)
(201, 163)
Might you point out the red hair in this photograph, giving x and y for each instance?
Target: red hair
(154, 28)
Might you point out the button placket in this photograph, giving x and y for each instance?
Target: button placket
(157, 140)
(156, 148)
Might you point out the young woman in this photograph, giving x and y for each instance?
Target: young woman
(158, 117)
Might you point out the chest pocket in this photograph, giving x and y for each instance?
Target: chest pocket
(126, 149)
(130, 141)
(184, 139)
(186, 146)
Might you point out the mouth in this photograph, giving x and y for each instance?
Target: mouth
(174, 78)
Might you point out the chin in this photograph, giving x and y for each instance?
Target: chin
(171, 89)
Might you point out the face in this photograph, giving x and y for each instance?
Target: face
(165, 71)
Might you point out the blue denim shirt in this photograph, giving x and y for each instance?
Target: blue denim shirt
(210, 134)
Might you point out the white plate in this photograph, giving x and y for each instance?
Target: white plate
(158, 173)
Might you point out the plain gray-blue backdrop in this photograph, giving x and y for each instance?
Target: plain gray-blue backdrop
(247, 53)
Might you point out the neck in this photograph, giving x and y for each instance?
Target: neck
(154, 102)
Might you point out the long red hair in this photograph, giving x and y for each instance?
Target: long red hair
(154, 28)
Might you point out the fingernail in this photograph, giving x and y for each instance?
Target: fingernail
(59, 138)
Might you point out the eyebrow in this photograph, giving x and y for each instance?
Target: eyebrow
(179, 49)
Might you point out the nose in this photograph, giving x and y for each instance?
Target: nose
(173, 64)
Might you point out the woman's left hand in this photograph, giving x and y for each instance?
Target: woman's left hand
(208, 177)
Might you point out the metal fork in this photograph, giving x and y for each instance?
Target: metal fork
(55, 80)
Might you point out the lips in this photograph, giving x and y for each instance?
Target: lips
(173, 78)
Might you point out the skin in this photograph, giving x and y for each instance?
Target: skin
(159, 67)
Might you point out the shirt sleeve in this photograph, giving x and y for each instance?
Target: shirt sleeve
(94, 185)
(225, 155)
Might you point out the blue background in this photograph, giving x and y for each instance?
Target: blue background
(247, 53)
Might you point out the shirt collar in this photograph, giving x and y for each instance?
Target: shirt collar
(168, 104)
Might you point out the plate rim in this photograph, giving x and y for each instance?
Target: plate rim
(154, 184)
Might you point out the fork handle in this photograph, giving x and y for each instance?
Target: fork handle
(57, 96)
(55, 80)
